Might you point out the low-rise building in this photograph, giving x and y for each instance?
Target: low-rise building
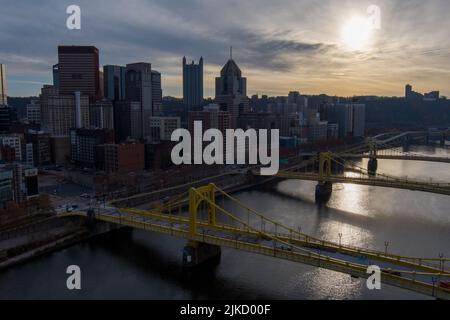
(120, 158)
(84, 143)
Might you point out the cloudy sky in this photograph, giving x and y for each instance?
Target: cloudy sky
(280, 45)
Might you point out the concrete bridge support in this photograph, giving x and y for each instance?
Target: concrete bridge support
(372, 166)
(197, 253)
(323, 192)
(324, 189)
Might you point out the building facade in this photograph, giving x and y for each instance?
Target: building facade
(102, 114)
(84, 142)
(34, 112)
(128, 120)
(157, 95)
(114, 82)
(139, 89)
(193, 85)
(13, 141)
(59, 113)
(231, 91)
(78, 70)
(162, 128)
(3, 96)
(121, 158)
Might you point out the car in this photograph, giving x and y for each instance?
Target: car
(445, 284)
(85, 196)
(165, 199)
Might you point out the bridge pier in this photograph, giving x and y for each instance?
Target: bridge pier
(372, 166)
(198, 253)
(323, 192)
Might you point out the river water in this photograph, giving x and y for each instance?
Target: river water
(143, 265)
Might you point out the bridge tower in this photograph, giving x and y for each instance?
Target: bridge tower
(324, 187)
(372, 165)
(196, 253)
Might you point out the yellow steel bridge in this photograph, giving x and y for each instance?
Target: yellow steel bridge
(198, 217)
(352, 174)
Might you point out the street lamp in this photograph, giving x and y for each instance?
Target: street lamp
(386, 245)
(441, 261)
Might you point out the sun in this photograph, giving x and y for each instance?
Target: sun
(356, 33)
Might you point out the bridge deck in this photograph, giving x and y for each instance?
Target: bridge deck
(416, 274)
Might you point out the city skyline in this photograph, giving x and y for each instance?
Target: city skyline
(289, 48)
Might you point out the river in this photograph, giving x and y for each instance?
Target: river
(143, 265)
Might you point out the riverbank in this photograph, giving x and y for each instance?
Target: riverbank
(73, 235)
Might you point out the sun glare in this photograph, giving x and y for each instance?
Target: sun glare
(356, 33)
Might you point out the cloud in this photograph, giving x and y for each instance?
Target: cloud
(280, 45)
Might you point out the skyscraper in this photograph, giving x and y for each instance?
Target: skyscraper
(193, 85)
(231, 91)
(55, 70)
(138, 83)
(156, 93)
(114, 82)
(79, 70)
(3, 97)
(59, 112)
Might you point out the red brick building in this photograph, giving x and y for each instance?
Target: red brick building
(121, 158)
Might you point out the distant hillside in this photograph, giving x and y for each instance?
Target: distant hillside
(402, 113)
(20, 102)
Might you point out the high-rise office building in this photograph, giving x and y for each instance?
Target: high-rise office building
(193, 85)
(156, 93)
(34, 112)
(79, 70)
(59, 113)
(138, 83)
(231, 91)
(102, 114)
(128, 120)
(3, 97)
(114, 82)
(55, 71)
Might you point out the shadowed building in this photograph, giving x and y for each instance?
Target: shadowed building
(138, 82)
(3, 98)
(231, 91)
(78, 70)
(193, 85)
(114, 82)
